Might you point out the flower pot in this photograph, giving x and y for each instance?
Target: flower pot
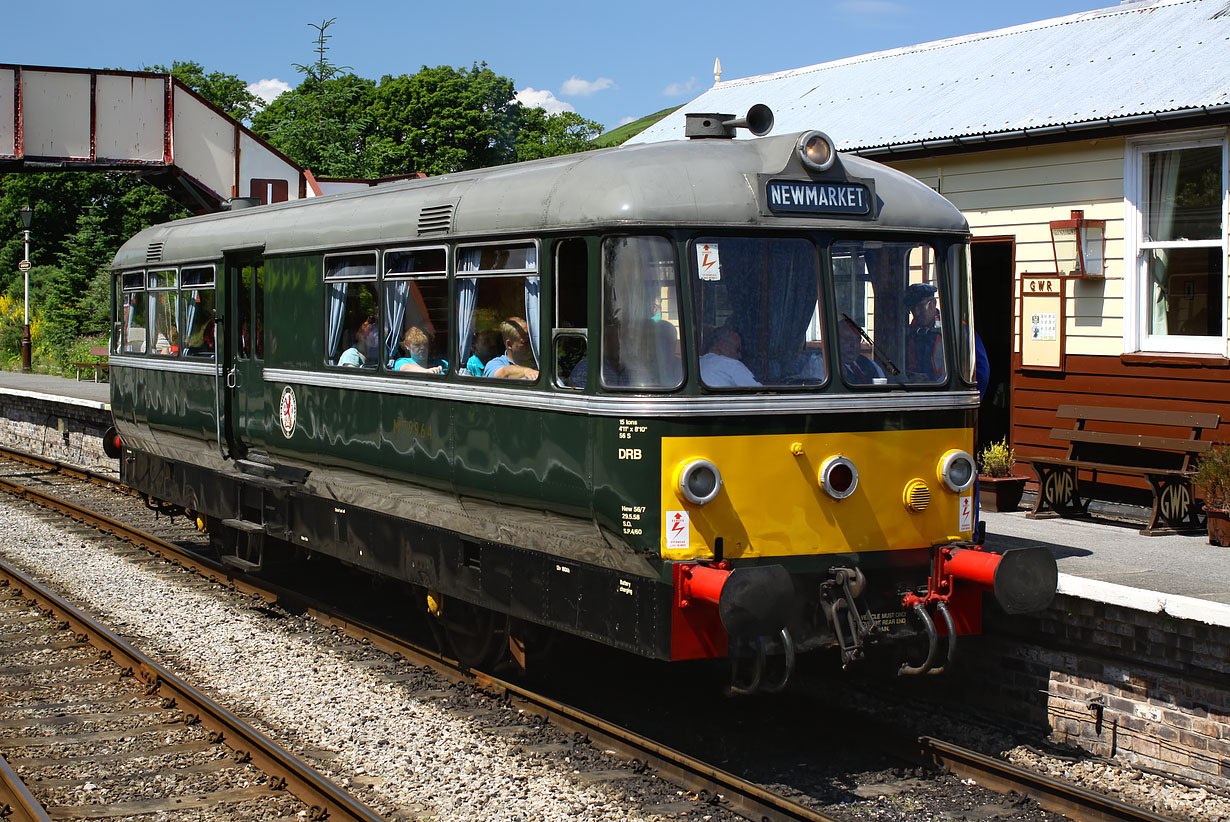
(1219, 525)
(1000, 493)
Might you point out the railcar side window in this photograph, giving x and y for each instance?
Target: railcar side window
(416, 310)
(759, 312)
(133, 312)
(164, 312)
(571, 312)
(199, 318)
(498, 311)
(640, 314)
(890, 313)
(352, 311)
(959, 262)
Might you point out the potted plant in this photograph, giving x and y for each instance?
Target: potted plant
(1213, 485)
(998, 490)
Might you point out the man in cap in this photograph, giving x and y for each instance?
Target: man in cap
(924, 350)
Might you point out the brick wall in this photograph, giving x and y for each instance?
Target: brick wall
(71, 433)
(1147, 689)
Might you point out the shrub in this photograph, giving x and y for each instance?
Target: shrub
(1213, 477)
(997, 459)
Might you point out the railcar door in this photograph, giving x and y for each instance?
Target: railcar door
(243, 404)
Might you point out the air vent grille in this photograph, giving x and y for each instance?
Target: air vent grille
(917, 495)
(153, 254)
(437, 219)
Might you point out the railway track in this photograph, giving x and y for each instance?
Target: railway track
(715, 785)
(95, 728)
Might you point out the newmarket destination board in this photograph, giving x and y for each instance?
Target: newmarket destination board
(806, 197)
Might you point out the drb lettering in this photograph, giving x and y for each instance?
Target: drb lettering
(629, 453)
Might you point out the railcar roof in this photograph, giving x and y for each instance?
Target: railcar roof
(711, 183)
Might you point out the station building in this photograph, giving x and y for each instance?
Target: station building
(1111, 123)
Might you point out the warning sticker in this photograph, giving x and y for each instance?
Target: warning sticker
(707, 263)
(965, 520)
(677, 528)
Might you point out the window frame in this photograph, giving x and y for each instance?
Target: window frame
(151, 290)
(442, 274)
(459, 250)
(327, 278)
(1136, 291)
(121, 337)
(212, 285)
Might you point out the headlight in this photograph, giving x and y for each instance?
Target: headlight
(838, 477)
(816, 150)
(956, 470)
(699, 481)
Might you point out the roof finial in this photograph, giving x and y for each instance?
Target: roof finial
(717, 71)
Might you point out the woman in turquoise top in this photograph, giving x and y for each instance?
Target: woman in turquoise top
(417, 344)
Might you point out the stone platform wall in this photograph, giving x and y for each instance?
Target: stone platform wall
(56, 430)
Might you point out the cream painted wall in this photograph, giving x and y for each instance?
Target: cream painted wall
(1017, 192)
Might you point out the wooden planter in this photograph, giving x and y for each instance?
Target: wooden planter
(1000, 493)
(1219, 525)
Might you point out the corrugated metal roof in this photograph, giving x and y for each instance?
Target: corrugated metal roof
(1142, 58)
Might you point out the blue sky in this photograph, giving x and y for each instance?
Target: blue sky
(611, 63)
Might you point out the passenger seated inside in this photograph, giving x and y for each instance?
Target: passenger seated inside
(352, 358)
(924, 351)
(517, 362)
(614, 375)
(720, 367)
(487, 346)
(416, 348)
(856, 367)
(367, 339)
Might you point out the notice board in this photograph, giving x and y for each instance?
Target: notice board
(1042, 322)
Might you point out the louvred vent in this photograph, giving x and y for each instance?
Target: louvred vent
(153, 254)
(437, 219)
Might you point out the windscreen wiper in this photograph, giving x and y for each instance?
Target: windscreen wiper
(875, 352)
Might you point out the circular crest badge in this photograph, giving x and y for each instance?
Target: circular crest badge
(287, 411)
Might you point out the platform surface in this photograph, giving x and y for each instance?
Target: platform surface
(1103, 558)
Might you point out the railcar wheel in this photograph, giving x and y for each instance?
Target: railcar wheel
(475, 634)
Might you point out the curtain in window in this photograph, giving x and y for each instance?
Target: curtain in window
(531, 314)
(395, 299)
(1162, 184)
(467, 298)
(337, 315)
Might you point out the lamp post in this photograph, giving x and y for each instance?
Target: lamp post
(27, 215)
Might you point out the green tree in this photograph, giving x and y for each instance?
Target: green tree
(444, 119)
(226, 91)
(549, 135)
(322, 125)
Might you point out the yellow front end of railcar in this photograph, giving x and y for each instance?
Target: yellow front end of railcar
(789, 495)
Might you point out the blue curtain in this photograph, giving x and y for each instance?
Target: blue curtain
(395, 300)
(531, 313)
(337, 314)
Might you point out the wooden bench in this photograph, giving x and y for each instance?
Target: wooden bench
(1166, 460)
(100, 365)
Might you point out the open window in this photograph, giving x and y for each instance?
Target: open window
(352, 311)
(416, 310)
(571, 313)
(498, 310)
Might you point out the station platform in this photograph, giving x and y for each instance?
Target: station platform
(71, 392)
(1104, 558)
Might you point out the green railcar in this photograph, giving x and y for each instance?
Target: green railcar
(694, 399)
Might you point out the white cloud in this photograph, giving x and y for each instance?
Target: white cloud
(576, 87)
(534, 98)
(267, 90)
(623, 121)
(681, 89)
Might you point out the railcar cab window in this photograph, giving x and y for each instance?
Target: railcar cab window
(759, 312)
(133, 310)
(641, 315)
(416, 310)
(352, 311)
(891, 314)
(199, 318)
(498, 311)
(164, 311)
